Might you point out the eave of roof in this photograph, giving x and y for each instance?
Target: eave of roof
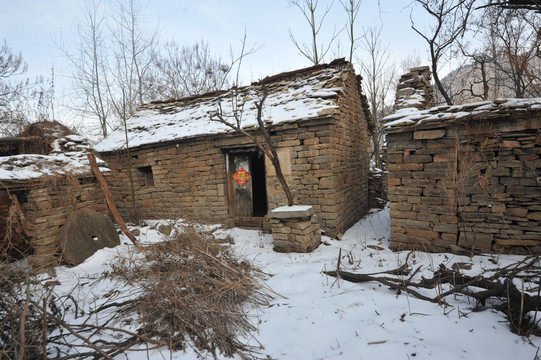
(411, 118)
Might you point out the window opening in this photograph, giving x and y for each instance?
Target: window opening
(148, 176)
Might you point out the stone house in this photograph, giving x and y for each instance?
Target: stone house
(44, 177)
(466, 176)
(185, 164)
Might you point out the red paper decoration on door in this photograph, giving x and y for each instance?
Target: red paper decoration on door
(241, 176)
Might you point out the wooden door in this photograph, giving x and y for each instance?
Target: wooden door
(240, 185)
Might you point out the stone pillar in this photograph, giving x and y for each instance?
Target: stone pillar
(295, 229)
(414, 90)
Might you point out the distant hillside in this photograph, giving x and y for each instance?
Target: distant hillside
(465, 84)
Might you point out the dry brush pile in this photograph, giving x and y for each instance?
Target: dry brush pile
(24, 321)
(194, 287)
(191, 290)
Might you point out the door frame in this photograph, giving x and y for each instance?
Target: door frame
(259, 185)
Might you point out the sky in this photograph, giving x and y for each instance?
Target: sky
(32, 27)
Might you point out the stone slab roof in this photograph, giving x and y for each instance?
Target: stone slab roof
(68, 156)
(407, 118)
(292, 96)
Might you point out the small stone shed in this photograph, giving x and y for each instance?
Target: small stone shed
(44, 177)
(465, 176)
(187, 165)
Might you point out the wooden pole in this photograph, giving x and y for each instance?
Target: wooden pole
(110, 202)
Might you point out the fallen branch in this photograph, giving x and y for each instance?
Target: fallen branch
(392, 283)
(111, 202)
(88, 343)
(514, 303)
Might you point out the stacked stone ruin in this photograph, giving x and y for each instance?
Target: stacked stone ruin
(466, 177)
(45, 179)
(414, 89)
(48, 204)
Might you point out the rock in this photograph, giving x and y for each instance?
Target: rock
(458, 250)
(84, 233)
(461, 266)
(165, 229)
(136, 232)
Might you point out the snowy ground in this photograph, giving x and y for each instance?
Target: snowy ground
(317, 317)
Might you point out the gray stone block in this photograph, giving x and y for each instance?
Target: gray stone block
(84, 233)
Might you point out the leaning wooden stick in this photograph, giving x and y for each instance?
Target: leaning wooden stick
(110, 202)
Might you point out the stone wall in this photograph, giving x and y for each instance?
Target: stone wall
(352, 160)
(377, 189)
(47, 206)
(330, 164)
(188, 180)
(467, 182)
(325, 162)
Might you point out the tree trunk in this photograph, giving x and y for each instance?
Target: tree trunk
(438, 82)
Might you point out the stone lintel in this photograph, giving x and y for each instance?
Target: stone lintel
(420, 68)
(429, 134)
(292, 212)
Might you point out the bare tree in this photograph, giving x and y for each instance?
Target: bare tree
(450, 23)
(352, 8)
(412, 60)
(117, 66)
(89, 62)
(534, 5)
(314, 51)
(45, 94)
(187, 70)
(22, 101)
(473, 80)
(234, 121)
(517, 41)
(476, 78)
(10, 65)
(109, 60)
(13, 94)
(133, 47)
(379, 76)
(507, 62)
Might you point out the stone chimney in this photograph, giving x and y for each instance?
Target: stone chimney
(415, 90)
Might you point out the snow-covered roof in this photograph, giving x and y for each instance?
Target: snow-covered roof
(292, 96)
(68, 156)
(492, 109)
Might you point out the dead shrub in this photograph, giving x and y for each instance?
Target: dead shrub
(15, 237)
(24, 323)
(194, 288)
(37, 138)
